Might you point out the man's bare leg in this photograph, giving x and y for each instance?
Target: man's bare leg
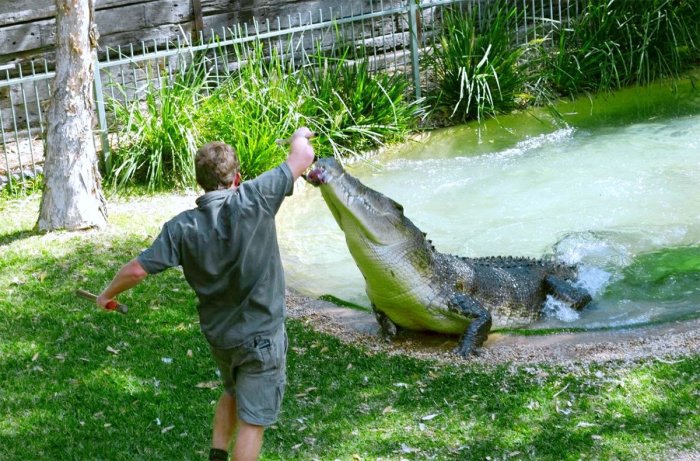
(225, 420)
(248, 442)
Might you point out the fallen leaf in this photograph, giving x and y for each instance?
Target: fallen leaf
(166, 429)
(208, 385)
(35, 356)
(532, 405)
(112, 350)
(387, 410)
(429, 417)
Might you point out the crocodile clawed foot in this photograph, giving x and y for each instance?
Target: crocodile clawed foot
(467, 350)
(387, 328)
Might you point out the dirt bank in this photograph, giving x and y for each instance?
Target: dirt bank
(666, 342)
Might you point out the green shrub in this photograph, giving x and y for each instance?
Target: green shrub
(157, 135)
(475, 67)
(614, 43)
(350, 108)
(354, 110)
(257, 104)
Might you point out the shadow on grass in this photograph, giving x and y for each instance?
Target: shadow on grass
(6, 239)
(80, 383)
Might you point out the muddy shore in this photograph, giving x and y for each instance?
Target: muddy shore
(666, 342)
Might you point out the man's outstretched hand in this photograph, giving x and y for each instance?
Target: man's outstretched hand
(301, 153)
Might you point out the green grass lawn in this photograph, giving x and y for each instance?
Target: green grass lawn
(77, 383)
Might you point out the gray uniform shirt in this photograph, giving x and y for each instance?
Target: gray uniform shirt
(228, 251)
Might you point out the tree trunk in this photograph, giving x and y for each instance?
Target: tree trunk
(72, 197)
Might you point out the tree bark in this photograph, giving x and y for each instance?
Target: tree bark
(72, 197)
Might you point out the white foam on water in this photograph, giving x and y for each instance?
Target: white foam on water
(560, 310)
(535, 142)
(593, 279)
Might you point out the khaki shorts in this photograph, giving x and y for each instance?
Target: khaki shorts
(255, 374)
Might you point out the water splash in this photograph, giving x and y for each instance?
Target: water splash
(559, 310)
(532, 143)
(593, 279)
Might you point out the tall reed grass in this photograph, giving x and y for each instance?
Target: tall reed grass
(257, 104)
(614, 43)
(354, 109)
(156, 133)
(263, 99)
(476, 68)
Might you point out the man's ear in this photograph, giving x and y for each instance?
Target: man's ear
(237, 179)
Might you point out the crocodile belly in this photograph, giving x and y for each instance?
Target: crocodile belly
(411, 314)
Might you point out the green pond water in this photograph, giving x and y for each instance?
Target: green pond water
(614, 187)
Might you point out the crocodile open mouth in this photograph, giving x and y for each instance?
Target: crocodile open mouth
(317, 176)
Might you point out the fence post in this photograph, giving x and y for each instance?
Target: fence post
(413, 31)
(101, 116)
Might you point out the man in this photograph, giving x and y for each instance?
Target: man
(228, 251)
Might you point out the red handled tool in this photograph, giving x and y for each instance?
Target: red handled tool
(112, 305)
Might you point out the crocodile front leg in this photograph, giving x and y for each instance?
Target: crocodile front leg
(388, 328)
(478, 329)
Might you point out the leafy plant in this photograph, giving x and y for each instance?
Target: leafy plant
(156, 130)
(614, 43)
(257, 104)
(354, 110)
(22, 186)
(349, 107)
(475, 66)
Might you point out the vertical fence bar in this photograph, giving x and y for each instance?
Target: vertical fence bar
(16, 131)
(413, 32)
(525, 21)
(101, 115)
(4, 149)
(38, 104)
(29, 127)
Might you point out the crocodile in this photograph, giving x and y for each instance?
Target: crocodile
(413, 286)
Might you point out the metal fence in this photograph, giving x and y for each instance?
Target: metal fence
(391, 34)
